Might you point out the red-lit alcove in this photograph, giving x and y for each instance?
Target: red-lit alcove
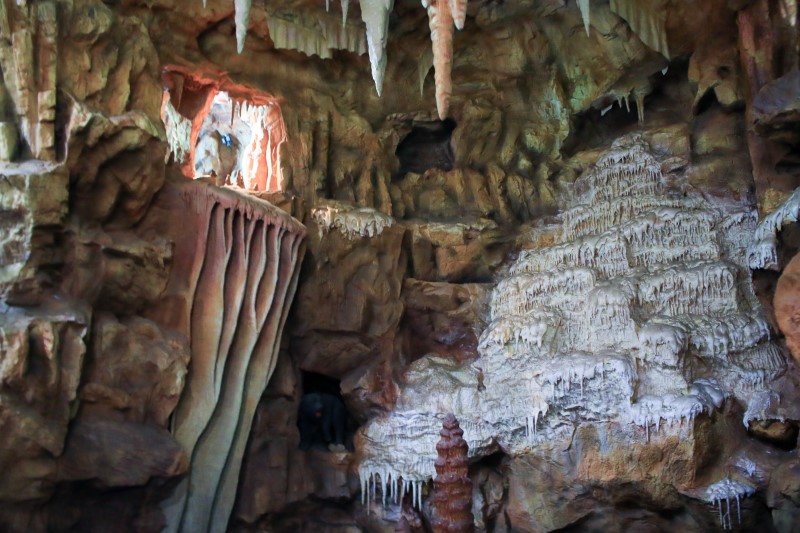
(234, 131)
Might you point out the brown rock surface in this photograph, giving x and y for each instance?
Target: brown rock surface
(783, 496)
(33, 202)
(349, 301)
(443, 318)
(138, 369)
(40, 370)
(120, 454)
(787, 305)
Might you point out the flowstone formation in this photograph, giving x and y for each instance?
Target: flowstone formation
(229, 291)
(639, 319)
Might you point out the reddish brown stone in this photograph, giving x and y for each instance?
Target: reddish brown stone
(787, 305)
(452, 487)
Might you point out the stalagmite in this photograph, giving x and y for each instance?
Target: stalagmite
(243, 260)
(452, 487)
(242, 18)
(585, 13)
(440, 20)
(375, 14)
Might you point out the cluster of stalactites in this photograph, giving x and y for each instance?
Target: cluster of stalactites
(654, 411)
(720, 495)
(392, 486)
(443, 15)
(645, 21)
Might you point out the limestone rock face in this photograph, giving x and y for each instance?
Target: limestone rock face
(33, 201)
(776, 111)
(138, 369)
(443, 318)
(784, 495)
(120, 454)
(42, 356)
(353, 294)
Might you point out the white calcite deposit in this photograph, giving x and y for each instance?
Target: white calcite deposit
(352, 222)
(762, 252)
(642, 317)
(722, 494)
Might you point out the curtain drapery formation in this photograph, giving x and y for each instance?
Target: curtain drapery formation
(239, 278)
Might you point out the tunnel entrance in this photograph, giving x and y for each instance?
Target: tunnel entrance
(322, 418)
(428, 145)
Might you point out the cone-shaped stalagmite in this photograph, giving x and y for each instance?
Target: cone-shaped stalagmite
(452, 488)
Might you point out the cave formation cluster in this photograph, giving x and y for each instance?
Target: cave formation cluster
(573, 247)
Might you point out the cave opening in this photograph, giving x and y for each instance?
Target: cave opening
(222, 130)
(428, 145)
(323, 419)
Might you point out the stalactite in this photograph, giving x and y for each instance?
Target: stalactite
(459, 10)
(242, 19)
(351, 222)
(585, 7)
(440, 20)
(240, 283)
(452, 487)
(762, 253)
(179, 131)
(375, 14)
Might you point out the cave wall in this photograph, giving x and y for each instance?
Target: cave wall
(399, 265)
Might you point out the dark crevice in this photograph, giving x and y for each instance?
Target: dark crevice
(427, 146)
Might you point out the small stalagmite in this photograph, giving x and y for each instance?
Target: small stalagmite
(452, 498)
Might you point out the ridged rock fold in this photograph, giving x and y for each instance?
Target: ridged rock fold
(231, 285)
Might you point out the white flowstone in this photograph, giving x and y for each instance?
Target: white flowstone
(643, 315)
